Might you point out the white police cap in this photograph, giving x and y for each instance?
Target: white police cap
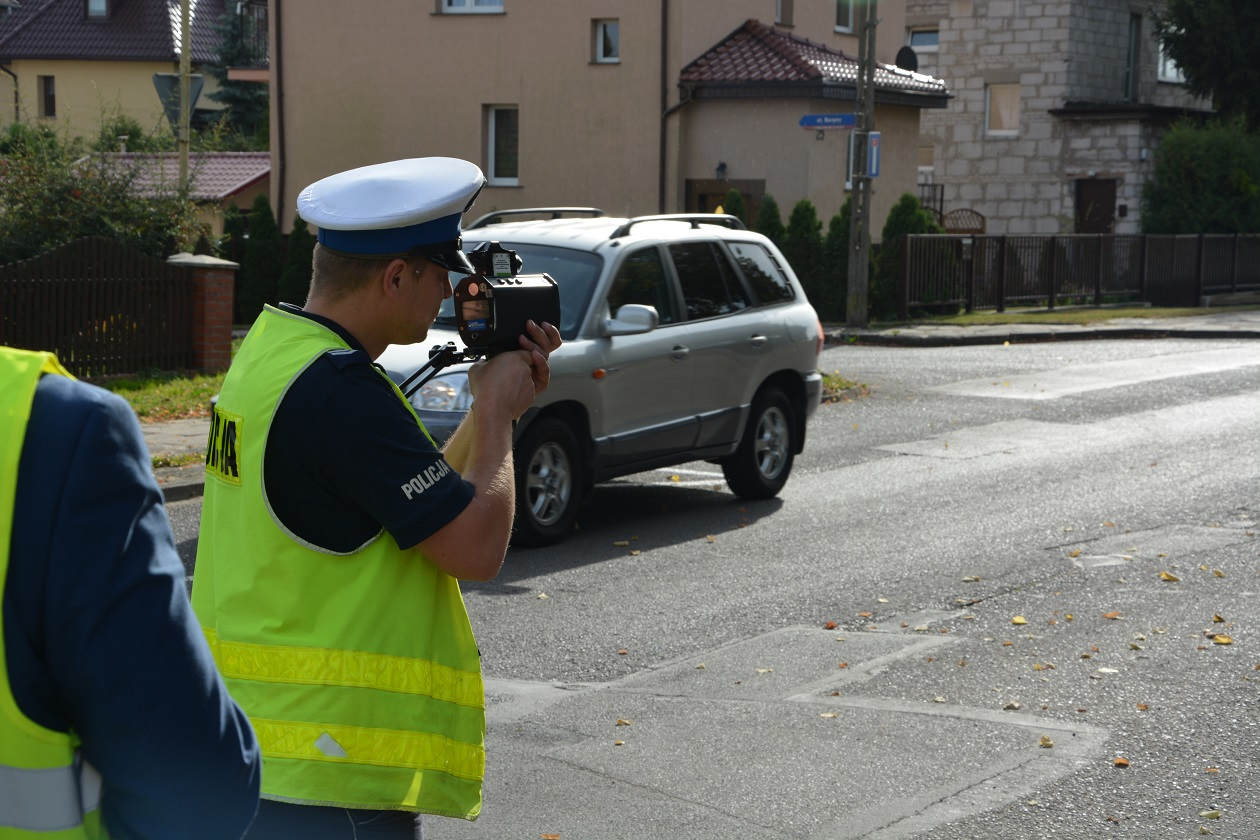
(405, 208)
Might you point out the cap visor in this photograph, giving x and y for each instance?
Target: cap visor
(453, 261)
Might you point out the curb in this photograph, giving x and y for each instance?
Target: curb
(911, 338)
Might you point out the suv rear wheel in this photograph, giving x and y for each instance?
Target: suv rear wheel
(761, 465)
(548, 483)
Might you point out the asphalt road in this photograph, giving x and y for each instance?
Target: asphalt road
(990, 579)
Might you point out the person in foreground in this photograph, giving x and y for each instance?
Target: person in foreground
(334, 530)
(113, 720)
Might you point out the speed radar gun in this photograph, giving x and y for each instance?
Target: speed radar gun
(491, 310)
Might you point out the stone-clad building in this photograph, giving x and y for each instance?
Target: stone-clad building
(1059, 106)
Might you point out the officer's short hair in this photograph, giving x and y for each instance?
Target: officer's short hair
(336, 276)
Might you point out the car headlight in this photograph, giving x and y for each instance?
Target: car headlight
(449, 392)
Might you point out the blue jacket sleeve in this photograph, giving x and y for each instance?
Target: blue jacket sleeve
(108, 630)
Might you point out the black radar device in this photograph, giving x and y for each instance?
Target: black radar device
(491, 310)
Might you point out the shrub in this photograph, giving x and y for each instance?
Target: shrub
(295, 278)
(1205, 180)
(734, 205)
(261, 266)
(835, 298)
(769, 220)
(906, 217)
(802, 245)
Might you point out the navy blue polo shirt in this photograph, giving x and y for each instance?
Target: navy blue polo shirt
(346, 459)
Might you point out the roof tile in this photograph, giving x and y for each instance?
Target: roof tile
(138, 30)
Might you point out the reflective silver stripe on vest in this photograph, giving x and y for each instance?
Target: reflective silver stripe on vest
(48, 800)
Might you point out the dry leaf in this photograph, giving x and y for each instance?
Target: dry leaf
(1112, 616)
(827, 715)
(621, 543)
(971, 579)
(1169, 576)
(765, 670)
(1142, 707)
(844, 665)
(882, 600)
(830, 625)
(711, 538)
(542, 596)
(1212, 770)
(623, 722)
(1121, 762)
(700, 667)
(1045, 742)
(551, 837)
(1076, 552)
(1216, 619)
(1213, 814)
(1109, 524)
(675, 478)
(1218, 573)
(1019, 619)
(618, 743)
(938, 700)
(1069, 616)
(1222, 639)
(634, 552)
(1011, 706)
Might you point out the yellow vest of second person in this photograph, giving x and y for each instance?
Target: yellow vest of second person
(46, 790)
(359, 672)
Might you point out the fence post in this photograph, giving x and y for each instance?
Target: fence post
(213, 282)
(1098, 276)
(904, 313)
(1198, 271)
(1052, 280)
(1233, 268)
(1145, 246)
(1001, 275)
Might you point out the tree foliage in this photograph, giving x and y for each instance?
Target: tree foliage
(246, 103)
(906, 217)
(835, 298)
(262, 264)
(1213, 42)
(734, 205)
(802, 245)
(53, 192)
(1206, 179)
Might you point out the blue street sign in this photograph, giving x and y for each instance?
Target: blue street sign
(816, 121)
(872, 156)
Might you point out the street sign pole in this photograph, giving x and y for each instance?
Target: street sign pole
(185, 106)
(860, 199)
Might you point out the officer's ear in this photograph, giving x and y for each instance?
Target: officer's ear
(393, 275)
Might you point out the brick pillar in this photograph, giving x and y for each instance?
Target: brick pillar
(214, 281)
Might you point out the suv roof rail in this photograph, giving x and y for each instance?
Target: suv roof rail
(555, 212)
(694, 219)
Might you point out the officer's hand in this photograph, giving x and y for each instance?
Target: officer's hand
(540, 341)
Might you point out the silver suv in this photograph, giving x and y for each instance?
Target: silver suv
(685, 338)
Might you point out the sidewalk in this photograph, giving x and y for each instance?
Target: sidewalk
(177, 437)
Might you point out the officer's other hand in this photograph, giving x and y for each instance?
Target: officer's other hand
(540, 341)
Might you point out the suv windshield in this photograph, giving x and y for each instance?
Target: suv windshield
(574, 271)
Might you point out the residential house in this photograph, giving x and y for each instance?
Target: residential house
(72, 65)
(1060, 105)
(632, 107)
(216, 180)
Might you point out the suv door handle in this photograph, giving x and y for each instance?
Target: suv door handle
(679, 352)
(758, 340)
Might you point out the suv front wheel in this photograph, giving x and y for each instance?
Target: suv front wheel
(548, 483)
(761, 465)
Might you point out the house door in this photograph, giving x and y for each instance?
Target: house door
(1096, 205)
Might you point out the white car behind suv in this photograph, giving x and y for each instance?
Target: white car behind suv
(686, 338)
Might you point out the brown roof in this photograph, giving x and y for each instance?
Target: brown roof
(758, 60)
(137, 30)
(214, 176)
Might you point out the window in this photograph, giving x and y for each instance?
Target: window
(641, 279)
(844, 15)
(98, 8)
(471, 7)
(1168, 69)
(783, 12)
(1131, 66)
(504, 146)
(607, 42)
(47, 96)
(1001, 106)
(764, 274)
(709, 285)
(925, 40)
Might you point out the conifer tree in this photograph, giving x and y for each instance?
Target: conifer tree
(295, 279)
(906, 217)
(769, 220)
(802, 245)
(261, 265)
(734, 205)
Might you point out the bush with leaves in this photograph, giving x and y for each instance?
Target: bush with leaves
(52, 192)
(1206, 179)
(769, 220)
(295, 279)
(262, 263)
(734, 205)
(836, 266)
(803, 247)
(906, 217)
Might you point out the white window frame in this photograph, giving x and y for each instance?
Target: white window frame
(989, 130)
(601, 27)
(472, 7)
(841, 7)
(493, 178)
(1168, 70)
(923, 48)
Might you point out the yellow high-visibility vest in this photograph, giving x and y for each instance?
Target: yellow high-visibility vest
(359, 671)
(47, 791)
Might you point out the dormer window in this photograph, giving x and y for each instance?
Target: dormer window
(97, 9)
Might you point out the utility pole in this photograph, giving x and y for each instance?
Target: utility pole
(185, 71)
(860, 201)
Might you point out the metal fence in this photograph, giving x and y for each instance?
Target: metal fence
(941, 273)
(103, 308)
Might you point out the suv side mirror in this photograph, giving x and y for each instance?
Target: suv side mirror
(632, 319)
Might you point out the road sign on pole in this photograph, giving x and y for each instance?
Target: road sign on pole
(872, 155)
(821, 121)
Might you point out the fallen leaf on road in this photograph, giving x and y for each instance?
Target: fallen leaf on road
(1045, 742)
(971, 579)
(830, 625)
(1011, 706)
(827, 715)
(1212, 770)
(622, 652)
(938, 700)
(1218, 573)
(1213, 814)
(1222, 639)
(1142, 707)
(765, 670)
(1112, 616)
(618, 743)
(1216, 619)
(700, 667)
(623, 722)
(1019, 619)
(864, 615)
(1076, 552)
(711, 538)
(843, 665)
(1169, 576)
(675, 478)
(1121, 762)
(551, 837)
(621, 543)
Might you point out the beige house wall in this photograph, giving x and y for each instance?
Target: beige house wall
(88, 93)
(403, 81)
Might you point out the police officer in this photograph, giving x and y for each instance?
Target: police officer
(325, 580)
(112, 717)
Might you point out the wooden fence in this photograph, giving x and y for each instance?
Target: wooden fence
(941, 272)
(103, 308)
